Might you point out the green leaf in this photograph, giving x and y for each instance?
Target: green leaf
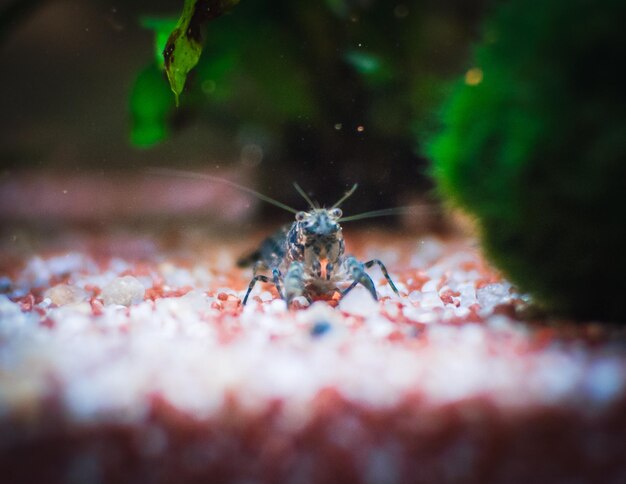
(150, 107)
(184, 45)
(162, 27)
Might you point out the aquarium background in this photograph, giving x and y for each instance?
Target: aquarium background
(323, 93)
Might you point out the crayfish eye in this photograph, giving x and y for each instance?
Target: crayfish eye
(300, 216)
(336, 213)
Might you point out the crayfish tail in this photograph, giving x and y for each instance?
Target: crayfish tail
(249, 259)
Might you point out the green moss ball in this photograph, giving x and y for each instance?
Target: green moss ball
(534, 145)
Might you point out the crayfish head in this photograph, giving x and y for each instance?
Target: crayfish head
(319, 221)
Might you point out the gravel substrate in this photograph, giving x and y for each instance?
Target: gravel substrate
(145, 367)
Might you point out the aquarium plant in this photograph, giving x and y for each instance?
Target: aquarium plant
(533, 143)
(327, 93)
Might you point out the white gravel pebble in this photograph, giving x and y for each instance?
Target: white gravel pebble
(124, 291)
(63, 294)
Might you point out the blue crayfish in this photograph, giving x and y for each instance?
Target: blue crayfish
(307, 257)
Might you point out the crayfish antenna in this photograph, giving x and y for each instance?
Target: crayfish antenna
(346, 196)
(304, 195)
(217, 179)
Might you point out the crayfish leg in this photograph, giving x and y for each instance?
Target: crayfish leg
(384, 271)
(357, 272)
(294, 281)
(254, 280)
(276, 276)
